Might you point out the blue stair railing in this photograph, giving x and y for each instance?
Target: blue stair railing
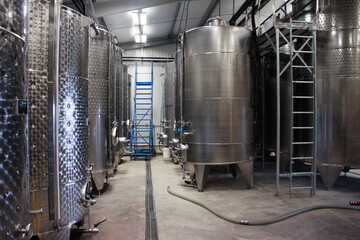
(141, 128)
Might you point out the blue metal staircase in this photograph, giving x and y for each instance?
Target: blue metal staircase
(141, 127)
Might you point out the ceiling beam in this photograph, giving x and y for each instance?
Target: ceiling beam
(110, 7)
(209, 12)
(150, 43)
(175, 19)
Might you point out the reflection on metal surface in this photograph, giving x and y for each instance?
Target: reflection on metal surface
(169, 102)
(217, 104)
(72, 121)
(338, 76)
(14, 165)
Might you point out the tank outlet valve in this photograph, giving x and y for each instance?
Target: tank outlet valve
(34, 212)
(26, 232)
(357, 203)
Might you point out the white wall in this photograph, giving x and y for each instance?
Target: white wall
(165, 51)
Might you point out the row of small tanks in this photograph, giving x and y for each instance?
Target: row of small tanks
(64, 105)
(209, 110)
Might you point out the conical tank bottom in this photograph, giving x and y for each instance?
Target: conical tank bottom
(329, 173)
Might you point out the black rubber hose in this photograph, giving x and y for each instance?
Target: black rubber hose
(262, 222)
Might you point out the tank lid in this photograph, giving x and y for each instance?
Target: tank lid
(217, 21)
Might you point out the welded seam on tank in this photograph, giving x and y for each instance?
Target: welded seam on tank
(151, 223)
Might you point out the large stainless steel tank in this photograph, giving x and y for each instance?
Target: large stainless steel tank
(117, 75)
(337, 84)
(270, 108)
(58, 194)
(126, 103)
(217, 102)
(169, 101)
(178, 92)
(14, 164)
(102, 96)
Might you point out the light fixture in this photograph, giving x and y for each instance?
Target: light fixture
(136, 16)
(136, 30)
(140, 38)
(139, 29)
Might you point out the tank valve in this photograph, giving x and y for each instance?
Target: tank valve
(26, 232)
(357, 203)
(40, 211)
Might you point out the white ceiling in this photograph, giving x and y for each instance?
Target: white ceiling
(161, 16)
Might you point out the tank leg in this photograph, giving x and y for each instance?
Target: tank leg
(201, 172)
(191, 169)
(329, 174)
(234, 170)
(246, 169)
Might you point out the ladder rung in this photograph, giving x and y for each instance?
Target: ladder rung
(140, 130)
(144, 119)
(141, 136)
(145, 143)
(142, 108)
(302, 66)
(143, 98)
(144, 73)
(300, 158)
(144, 83)
(303, 127)
(302, 51)
(300, 112)
(138, 88)
(300, 36)
(136, 125)
(302, 143)
(303, 81)
(143, 103)
(143, 94)
(301, 174)
(304, 97)
(298, 188)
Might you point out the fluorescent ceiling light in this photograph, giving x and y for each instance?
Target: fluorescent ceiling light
(136, 30)
(140, 38)
(143, 19)
(136, 16)
(137, 38)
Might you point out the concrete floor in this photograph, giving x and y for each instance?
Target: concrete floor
(123, 204)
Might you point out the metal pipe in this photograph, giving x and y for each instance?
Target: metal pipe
(277, 113)
(53, 109)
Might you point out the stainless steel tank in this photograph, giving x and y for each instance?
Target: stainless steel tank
(14, 163)
(178, 92)
(169, 102)
(337, 84)
(129, 77)
(217, 99)
(117, 75)
(57, 193)
(270, 108)
(102, 97)
(125, 105)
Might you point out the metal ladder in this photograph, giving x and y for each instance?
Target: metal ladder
(141, 124)
(308, 112)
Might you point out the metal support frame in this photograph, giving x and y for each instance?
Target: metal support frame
(309, 42)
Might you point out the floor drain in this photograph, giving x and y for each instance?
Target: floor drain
(151, 226)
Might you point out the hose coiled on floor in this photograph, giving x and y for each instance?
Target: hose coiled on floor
(262, 222)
